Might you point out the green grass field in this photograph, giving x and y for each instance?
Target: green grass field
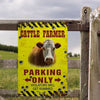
(8, 55)
(30, 98)
(9, 77)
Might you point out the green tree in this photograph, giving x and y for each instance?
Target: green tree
(75, 55)
(70, 54)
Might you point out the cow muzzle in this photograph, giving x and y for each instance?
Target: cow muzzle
(48, 61)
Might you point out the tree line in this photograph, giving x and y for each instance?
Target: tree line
(15, 49)
(9, 48)
(75, 55)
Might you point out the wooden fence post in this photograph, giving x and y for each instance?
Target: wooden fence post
(85, 13)
(1, 98)
(94, 56)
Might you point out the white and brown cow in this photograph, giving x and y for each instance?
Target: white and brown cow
(43, 54)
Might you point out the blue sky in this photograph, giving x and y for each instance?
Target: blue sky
(43, 9)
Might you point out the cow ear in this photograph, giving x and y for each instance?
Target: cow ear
(39, 44)
(57, 45)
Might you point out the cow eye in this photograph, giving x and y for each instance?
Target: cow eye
(53, 49)
(43, 48)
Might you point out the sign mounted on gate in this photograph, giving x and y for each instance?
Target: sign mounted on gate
(42, 59)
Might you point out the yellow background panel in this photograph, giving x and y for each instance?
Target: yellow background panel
(25, 46)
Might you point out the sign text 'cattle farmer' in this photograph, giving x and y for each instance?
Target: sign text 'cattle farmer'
(42, 59)
(46, 33)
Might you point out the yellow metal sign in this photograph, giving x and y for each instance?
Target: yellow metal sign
(42, 59)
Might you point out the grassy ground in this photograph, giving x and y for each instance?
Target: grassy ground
(8, 78)
(30, 98)
(8, 55)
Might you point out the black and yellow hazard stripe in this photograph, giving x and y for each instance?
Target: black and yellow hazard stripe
(32, 25)
(24, 25)
(34, 94)
(28, 93)
(50, 94)
(23, 93)
(40, 24)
